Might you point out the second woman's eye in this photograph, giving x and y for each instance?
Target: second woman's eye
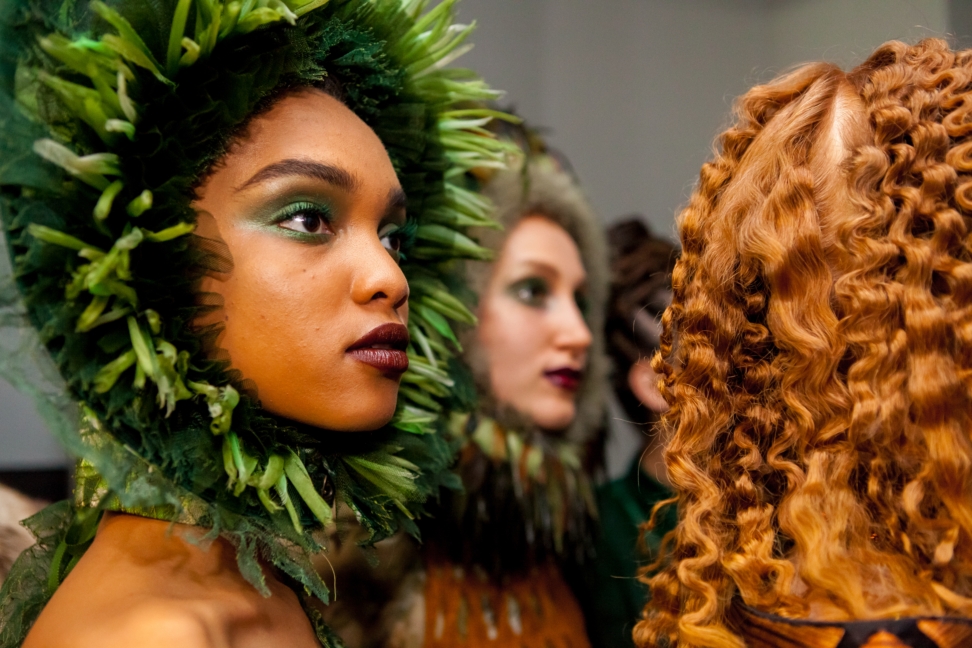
(532, 291)
(306, 218)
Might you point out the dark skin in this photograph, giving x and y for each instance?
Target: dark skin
(162, 590)
(307, 204)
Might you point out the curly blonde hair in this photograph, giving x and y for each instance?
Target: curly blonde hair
(817, 355)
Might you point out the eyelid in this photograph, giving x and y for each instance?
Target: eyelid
(388, 229)
(534, 281)
(290, 210)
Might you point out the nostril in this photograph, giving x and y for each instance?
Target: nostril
(401, 302)
(379, 295)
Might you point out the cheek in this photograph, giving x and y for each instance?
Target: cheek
(514, 338)
(284, 302)
(285, 321)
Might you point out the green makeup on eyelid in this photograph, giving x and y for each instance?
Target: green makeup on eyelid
(269, 218)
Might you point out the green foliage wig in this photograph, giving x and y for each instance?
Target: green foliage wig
(110, 115)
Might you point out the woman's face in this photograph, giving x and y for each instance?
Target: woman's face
(308, 205)
(532, 326)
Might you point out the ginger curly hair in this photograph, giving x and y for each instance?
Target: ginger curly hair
(817, 355)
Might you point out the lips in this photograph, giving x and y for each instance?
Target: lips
(564, 378)
(383, 348)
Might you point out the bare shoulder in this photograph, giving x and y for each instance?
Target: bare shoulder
(150, 624)
(143, 584)
(169, 623)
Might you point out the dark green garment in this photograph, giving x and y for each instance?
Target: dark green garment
(615, 598)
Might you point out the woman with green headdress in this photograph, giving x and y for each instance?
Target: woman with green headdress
(231, 230)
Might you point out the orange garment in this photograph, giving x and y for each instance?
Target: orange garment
(465, 608)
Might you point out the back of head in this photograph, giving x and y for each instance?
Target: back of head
(818, 354)
(641, 269)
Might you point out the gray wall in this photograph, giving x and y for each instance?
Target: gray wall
(633, 91)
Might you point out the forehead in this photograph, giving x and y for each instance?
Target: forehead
(310, 124)
(536, 241)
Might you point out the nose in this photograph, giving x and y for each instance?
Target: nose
(572, 332)
(378, 278)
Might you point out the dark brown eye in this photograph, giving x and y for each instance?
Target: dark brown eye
(305, 218)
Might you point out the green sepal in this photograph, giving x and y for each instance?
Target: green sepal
(139, 205)
(437, 321)
(128, 43)
(91, 313)
(284, 495)
(176, 33)
(297, 474)
(121, 126)
(192, 52)
(419, 397)
(91, 169)
(154, 321)
(103, 207)
(56, 237)
(79, 58)
(221, 401)
(108, 375)
(169, 233)
(144, 349)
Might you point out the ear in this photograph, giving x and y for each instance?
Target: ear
(643, 382)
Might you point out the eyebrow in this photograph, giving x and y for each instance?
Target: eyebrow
(537, 265)
(397, 201)
(307, 168)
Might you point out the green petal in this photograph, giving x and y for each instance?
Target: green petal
(108, 375)
(297, 474)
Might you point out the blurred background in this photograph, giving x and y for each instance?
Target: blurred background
(633, 93)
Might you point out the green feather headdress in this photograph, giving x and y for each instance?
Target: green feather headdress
(109, 115)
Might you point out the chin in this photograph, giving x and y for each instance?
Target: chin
(555, 416)
(351, 410)
(367, 422)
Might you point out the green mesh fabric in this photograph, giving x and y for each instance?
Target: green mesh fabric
(109, 115)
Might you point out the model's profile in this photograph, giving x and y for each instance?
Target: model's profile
(230, 227)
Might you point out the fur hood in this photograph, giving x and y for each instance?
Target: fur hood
(541, 186)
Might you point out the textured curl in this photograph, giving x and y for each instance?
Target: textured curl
(817, 354)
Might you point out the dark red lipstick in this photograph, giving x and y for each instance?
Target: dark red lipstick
(565, 378)
(383, 348)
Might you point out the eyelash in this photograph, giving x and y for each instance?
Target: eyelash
(403, 235)
(319, 215)
(394, 241)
